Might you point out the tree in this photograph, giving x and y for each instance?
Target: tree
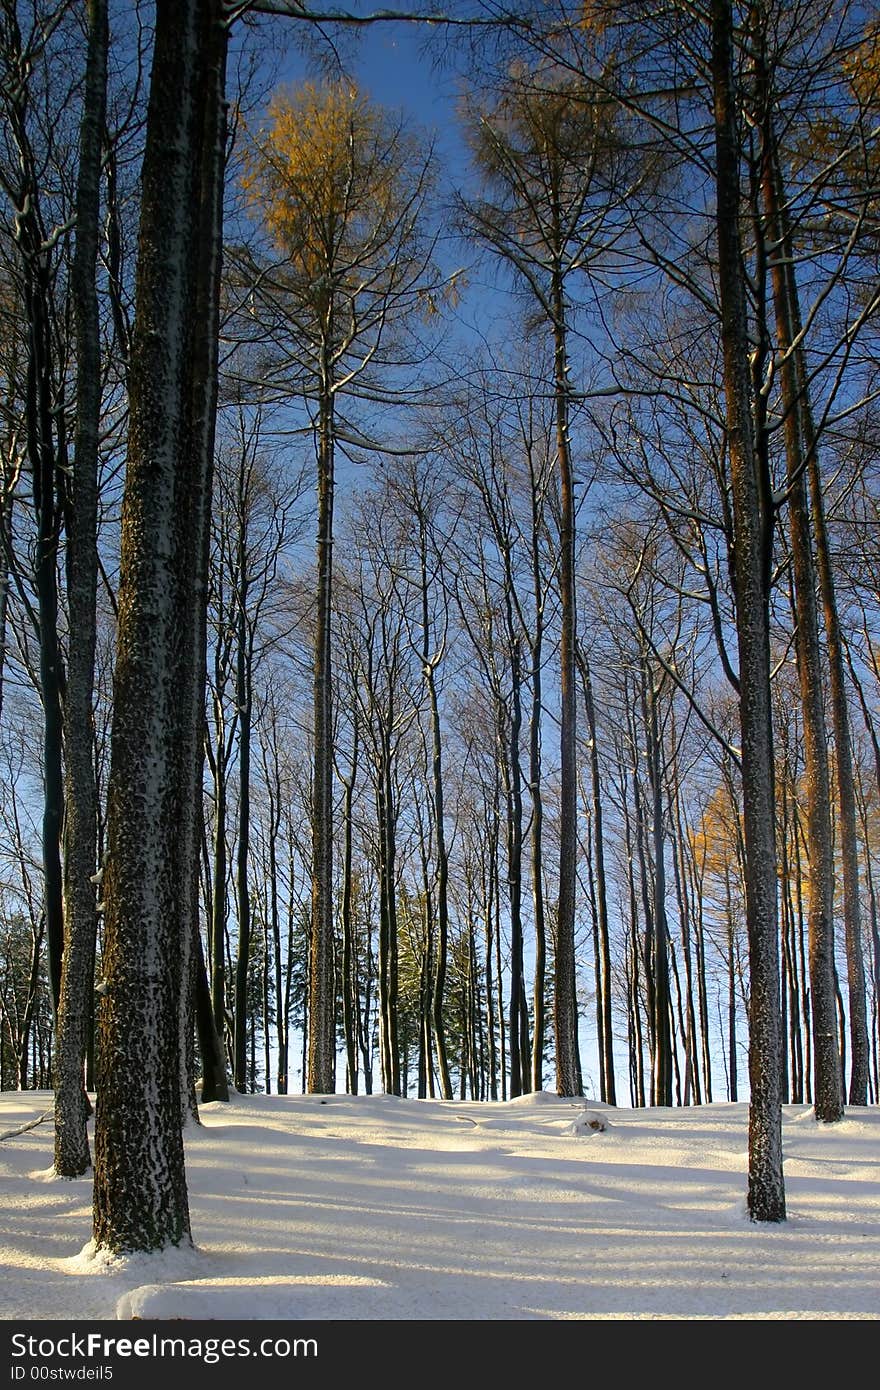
(550, 160)
(140, 1196)
(342, 188)
(38, 206)
(753, 523)
(80, 828)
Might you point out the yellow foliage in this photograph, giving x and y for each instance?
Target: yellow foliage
(863, 68)
(320, 176)
(714, 844)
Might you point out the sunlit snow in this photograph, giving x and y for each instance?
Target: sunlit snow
(355, 1208)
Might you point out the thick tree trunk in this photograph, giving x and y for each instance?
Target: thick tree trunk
(140, 1196)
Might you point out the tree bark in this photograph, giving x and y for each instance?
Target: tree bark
(72, 1157)
(140, 1195)
(603, 982)
(753, 536)
(569, 1081)
(828, 1098)
(322, 978)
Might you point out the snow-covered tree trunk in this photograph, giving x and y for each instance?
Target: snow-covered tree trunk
(140, 1196)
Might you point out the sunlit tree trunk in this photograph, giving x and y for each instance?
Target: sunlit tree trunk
(140, 1195)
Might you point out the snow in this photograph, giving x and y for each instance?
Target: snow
(378, 1208)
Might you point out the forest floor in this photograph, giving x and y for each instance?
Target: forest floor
(354, 1208)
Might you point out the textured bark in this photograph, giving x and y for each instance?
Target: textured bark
(72, 1157)
(753, 533)
(140, 1196)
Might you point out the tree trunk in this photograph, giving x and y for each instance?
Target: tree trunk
(218, 896)
(349, 953)
(243, 697)
(322, 976)
(214, 1083)
(603, 982)
(661, 1029)
(752, 557)
(72, 1157)
(520, 1070)
(207, 251)
(569, 1081)
(828, 1096)
(140, 1196)
(797, 390)
(46, 457)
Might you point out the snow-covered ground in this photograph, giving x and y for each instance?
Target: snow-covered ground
(357, 1208)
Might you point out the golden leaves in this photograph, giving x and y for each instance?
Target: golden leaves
(316, 172)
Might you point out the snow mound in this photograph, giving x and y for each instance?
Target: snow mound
(534, 1099)
(246, 1299)
(589, 1123)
